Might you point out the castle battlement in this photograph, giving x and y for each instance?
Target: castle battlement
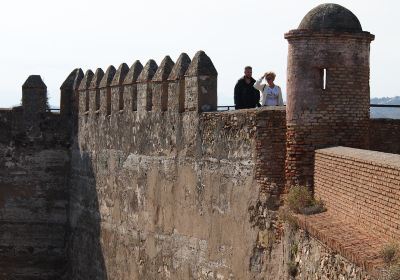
(140, 177)
(188, 85)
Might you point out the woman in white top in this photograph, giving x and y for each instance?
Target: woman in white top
(271, 94)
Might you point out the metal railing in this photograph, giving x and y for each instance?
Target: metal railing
(226, 108)
(232, 107)
(385, 106)
(53, 110)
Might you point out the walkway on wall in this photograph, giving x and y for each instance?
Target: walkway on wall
(351, 242)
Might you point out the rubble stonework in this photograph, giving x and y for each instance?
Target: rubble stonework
(158, 187)
(34, 167)
(139, 177)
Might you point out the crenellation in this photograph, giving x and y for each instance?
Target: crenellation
(176, 86)
(145, 94)
(117, 88)
(105, 90)
(152, 182)
(68, 95)
(75, 100)
(191, 83)
(84, 92)
(130, 85)
(94, 90)
(34, 102)
(201, 84)
(160, 85)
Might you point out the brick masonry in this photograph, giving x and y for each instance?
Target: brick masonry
(319, 117)
(362, 187)
(270, 150)
(359, 248)
(139, 178)
(384, 135)
(122, 182)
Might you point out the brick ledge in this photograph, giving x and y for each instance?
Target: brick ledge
(351, 242)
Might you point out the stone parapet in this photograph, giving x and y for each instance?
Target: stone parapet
(117, 88)
(160, 85)
(130, 85)
(186, 86)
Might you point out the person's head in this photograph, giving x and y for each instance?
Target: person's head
(248, 72)
(270, 77)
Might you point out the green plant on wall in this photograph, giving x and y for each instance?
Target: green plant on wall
(390, 253)
(294, 249)
(301, 201)
(287, 216)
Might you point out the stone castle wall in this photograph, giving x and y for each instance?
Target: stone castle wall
(312, 259)
(164, 193)
(158, 210)
(139, 177)
(135, 179)
(34, 165)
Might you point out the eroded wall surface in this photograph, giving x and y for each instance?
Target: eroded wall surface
(311, 259)
(33, 198)
(167, 195)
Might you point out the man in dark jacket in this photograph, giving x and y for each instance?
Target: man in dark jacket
(246, 96)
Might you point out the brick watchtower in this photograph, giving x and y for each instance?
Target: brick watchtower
(327, 87)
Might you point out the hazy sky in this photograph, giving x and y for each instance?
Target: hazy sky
(51, 38)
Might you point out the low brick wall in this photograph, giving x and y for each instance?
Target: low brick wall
(271, 149)
(362, 187)
(384, 135)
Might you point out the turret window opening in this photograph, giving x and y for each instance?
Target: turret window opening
(324, 77)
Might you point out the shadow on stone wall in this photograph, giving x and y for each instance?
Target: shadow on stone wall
(85, 254)
(33, 196)
(86, 260)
